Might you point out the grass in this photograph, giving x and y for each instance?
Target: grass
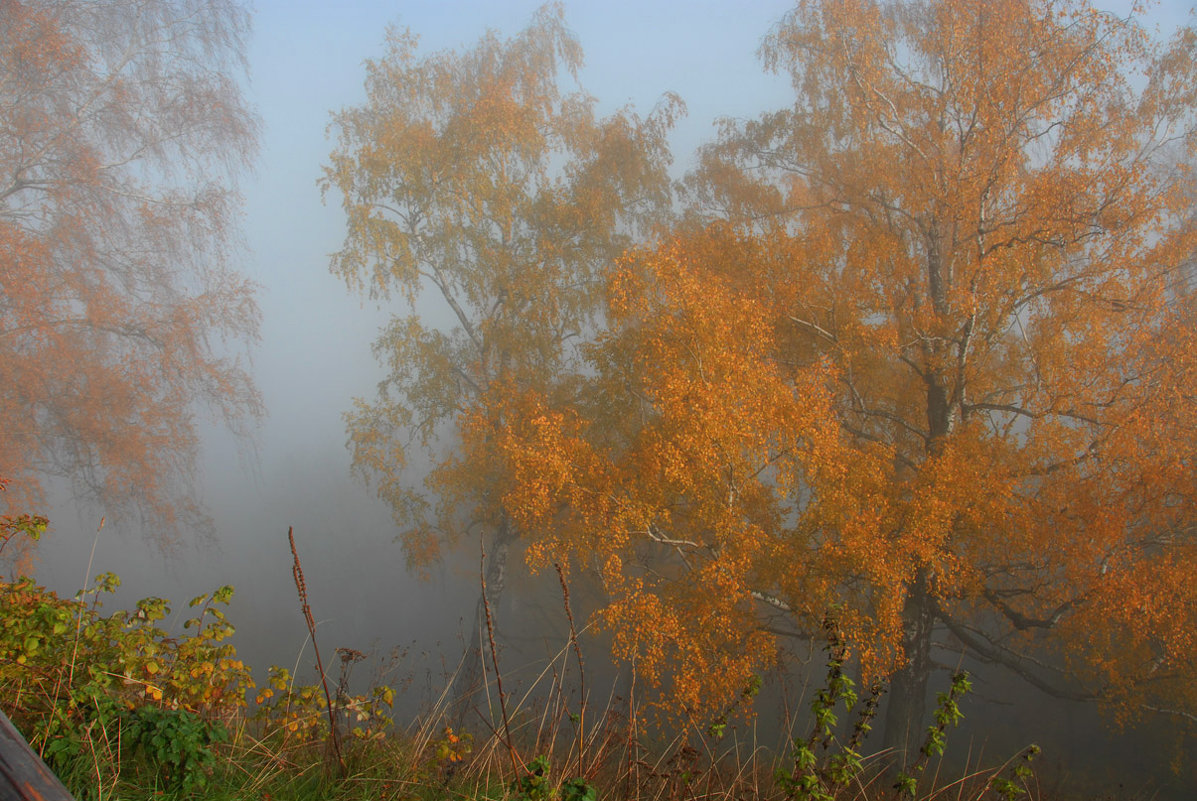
(408, 767)
(120, 708)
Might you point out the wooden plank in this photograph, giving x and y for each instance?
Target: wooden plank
(23, 775)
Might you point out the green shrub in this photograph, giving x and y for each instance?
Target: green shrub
(77, 682)
(536, 785)
(176, 743)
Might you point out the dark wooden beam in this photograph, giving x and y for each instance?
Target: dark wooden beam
(23, 775)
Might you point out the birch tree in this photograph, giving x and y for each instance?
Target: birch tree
(487, 204)
(922, 355)
(121, 312)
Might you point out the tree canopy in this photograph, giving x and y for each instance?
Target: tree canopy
(922, 352)
(124, 134)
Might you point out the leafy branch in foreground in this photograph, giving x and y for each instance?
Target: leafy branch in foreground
(824, 768)
(1014, 784)
(947, 713)
(815, 779)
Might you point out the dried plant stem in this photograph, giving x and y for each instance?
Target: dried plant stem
(301, 586)
(79, 618)
(70, 679)
(494, 658)
(631, 746)
(573, 640)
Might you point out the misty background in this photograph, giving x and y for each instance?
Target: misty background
(306, 60)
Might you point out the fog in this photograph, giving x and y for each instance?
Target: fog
(314, 356)
(305, 61)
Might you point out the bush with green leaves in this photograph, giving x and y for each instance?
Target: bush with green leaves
(176, 743)
(73, 679)
(54, 649)
(535, 784)
(297, 712)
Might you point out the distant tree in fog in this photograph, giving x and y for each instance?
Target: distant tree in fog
(920, 353)
(123, 134)
(489, 205)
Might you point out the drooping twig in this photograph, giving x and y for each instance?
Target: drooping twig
(79, 617)
(301, 586)
(573, 639)
(632, 745)
(494, 658)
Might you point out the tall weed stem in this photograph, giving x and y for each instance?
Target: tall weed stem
(301, 586)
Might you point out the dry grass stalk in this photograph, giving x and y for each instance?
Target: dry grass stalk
(334, 734)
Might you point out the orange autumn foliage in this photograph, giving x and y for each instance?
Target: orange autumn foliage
(925, 351)
(124, 135)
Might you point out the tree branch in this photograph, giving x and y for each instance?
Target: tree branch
(989, 651)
